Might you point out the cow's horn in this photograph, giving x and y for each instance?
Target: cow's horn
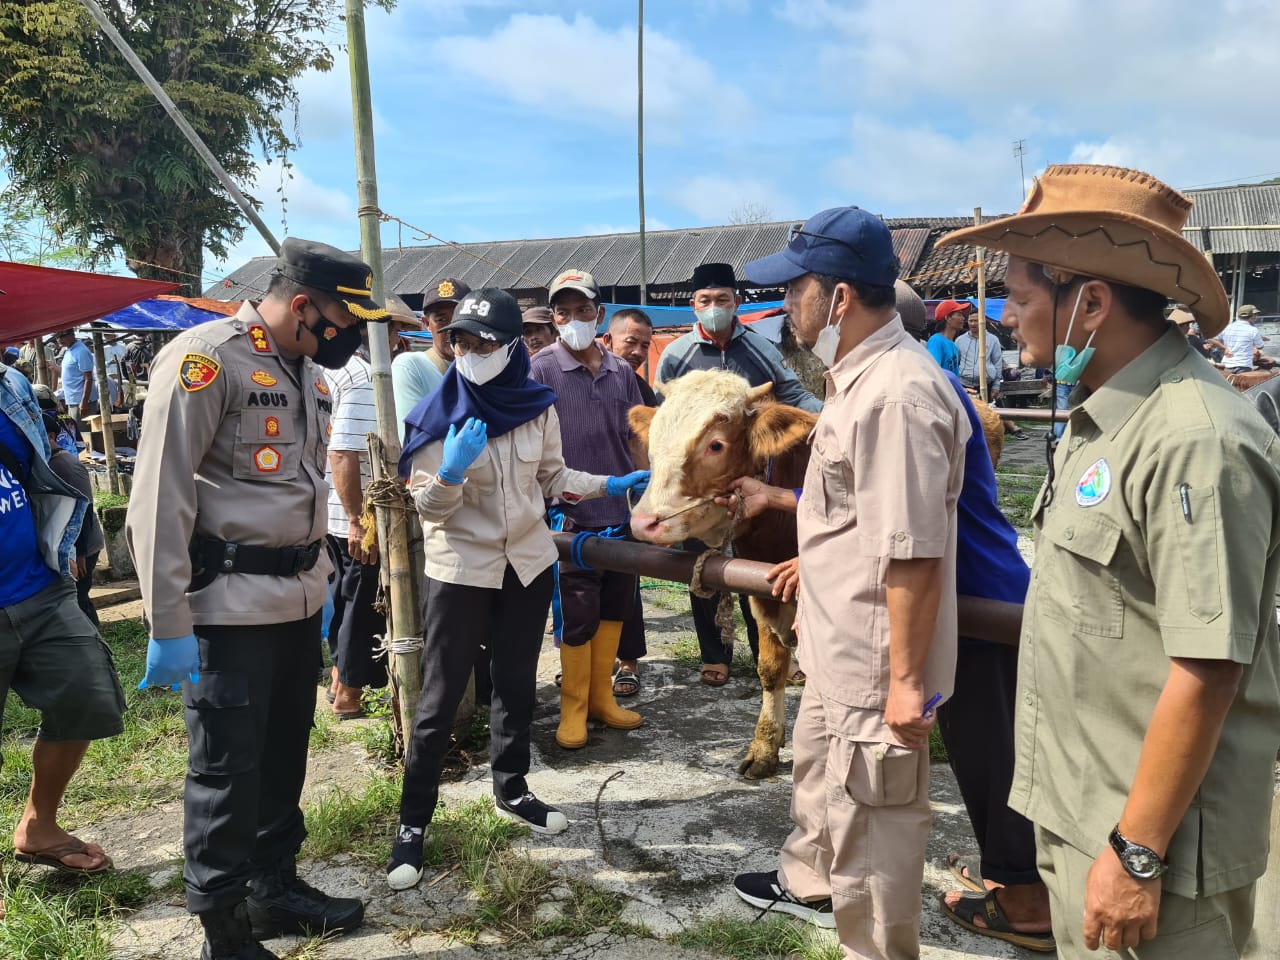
(756, 394)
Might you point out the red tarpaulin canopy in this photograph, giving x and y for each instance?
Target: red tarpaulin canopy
(41, 300)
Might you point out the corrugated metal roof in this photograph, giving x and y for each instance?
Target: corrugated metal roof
(1251, 205)
(672, 255)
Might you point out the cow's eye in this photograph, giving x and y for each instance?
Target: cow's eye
(715, 446)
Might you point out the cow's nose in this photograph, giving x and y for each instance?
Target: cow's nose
(644, 525)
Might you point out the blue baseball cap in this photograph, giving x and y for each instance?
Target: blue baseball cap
(843, 242)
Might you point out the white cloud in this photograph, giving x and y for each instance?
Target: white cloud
(716, 199)
(599, 229)
(583, 75)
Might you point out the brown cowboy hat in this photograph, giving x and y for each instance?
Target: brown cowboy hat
(1114, 224)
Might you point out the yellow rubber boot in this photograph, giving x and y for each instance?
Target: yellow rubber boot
(601, 704)
(575, 681)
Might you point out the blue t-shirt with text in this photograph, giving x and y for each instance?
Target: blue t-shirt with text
(23, 572)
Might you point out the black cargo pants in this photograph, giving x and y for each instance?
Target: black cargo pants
(248, 724)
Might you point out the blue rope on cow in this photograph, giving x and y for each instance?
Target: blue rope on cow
(581, 537)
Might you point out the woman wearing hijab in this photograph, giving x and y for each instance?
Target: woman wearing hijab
(482, 454)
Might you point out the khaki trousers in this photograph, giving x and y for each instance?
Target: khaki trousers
(1206, 928)
(862, 818)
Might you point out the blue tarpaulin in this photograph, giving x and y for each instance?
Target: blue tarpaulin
(159, 315)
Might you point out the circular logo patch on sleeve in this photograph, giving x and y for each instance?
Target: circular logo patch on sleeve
(197, 371)
(1094, 485)
(267, 459)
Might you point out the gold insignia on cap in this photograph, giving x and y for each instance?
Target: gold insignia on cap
(446, 289)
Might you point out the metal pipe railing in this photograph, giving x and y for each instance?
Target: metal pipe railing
(981, 619)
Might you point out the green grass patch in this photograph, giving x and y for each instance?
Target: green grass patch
(937, 749)
(774, 937)
(102, 499)
(48, 917)
(1017, 488)
(143, 765)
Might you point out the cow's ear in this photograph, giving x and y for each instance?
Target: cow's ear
(776, 428)
(640, 417)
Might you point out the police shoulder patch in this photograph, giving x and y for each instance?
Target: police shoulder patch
(197, 371)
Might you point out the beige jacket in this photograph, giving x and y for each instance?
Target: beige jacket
(234, 447)
(473, 529)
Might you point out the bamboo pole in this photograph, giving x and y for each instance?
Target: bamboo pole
(43, 376)
(983, 386)
(403, 626)
(104, 411)
(171, 108)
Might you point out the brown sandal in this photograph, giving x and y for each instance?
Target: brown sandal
(56, 857)
(715, 674)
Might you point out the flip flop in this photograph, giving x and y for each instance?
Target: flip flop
(716, 675)
(997, 924)
(967, 872)
(796, 678)
(627, 681)
(56, 857)
(359, 713)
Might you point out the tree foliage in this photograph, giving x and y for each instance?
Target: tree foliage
(26, 237)
(87, 144)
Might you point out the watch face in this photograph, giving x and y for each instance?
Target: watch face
(1141, 862)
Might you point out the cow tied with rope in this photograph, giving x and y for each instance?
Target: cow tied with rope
(711, 429)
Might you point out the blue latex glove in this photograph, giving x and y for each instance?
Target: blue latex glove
(637, 481)
(461, 447)
(169, 662)
(326, 614)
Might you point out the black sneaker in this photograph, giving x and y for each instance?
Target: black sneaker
(404, 868)
(533, 813)
(764, 891)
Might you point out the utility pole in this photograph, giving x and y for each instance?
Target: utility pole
(403, 628)
(644, 273)
(1020, 151)
(171, 108)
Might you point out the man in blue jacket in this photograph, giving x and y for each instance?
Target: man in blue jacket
(50, 653)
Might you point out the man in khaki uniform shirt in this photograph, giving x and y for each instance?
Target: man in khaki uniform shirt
(1148, 701)
(877, 614)
(226, 526)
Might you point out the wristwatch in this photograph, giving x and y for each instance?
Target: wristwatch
(1141, 863)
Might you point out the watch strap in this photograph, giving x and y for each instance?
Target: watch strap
(1124, 847)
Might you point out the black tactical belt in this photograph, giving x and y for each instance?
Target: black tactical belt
(210, 557)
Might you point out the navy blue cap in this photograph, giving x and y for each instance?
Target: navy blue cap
(843, 242)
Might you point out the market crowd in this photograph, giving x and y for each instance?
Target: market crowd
(1117, 766)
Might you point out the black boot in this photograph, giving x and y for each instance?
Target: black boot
(280, 903)
(227, 936)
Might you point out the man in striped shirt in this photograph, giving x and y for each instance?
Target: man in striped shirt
(355, 624)
(594, 391)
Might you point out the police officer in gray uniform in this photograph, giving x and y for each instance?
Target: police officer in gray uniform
(226, 525)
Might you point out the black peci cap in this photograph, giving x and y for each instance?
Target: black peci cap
(490, 313)
(713, 275)
(349, 279)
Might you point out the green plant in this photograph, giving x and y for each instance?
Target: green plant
(48, 917)
(102, 499)
(774, 937)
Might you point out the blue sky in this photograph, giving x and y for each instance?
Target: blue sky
(503, 120)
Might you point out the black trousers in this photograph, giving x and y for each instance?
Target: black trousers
(84, 585)
(977, 728)
(457, 620)
(355, 624)
(248, 722)
(631, 645)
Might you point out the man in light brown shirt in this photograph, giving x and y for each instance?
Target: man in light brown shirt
(877, 615)
(226, 525)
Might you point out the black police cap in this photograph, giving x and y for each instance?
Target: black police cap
(330, 270)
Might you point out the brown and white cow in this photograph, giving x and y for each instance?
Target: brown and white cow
(712, 428)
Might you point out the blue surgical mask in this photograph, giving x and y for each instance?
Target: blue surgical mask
(1068, 365)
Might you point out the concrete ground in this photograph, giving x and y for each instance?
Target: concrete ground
(658, 814)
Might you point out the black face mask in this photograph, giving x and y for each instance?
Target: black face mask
(334, 345)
